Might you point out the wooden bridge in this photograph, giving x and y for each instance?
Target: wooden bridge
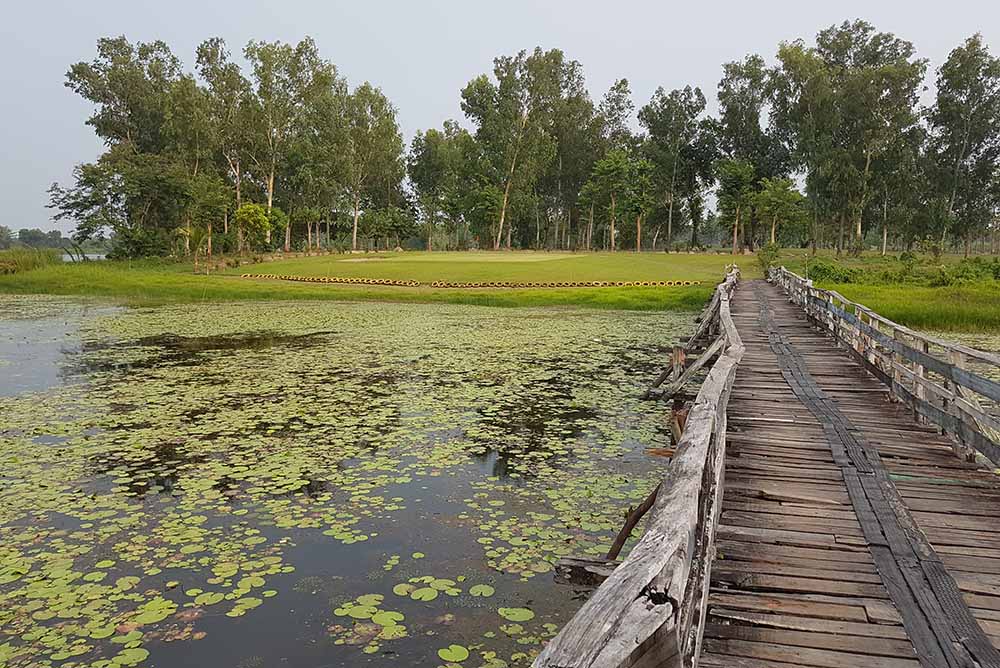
(832, 501)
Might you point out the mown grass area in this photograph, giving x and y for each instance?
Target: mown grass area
(524, 266)
(907, 290)
(148, 283)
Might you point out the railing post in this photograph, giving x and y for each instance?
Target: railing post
(957, 359)
(677, 361)
(920, 391)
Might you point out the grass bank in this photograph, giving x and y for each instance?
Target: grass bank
(149, 282)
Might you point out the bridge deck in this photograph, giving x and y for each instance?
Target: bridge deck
(850, 534)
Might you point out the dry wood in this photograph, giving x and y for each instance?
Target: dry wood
(650, 610)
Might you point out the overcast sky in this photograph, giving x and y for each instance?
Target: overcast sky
(420, 52)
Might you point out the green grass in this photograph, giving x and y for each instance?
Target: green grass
(967, 307)
(964, 308)
(525, 266)
(146, 283)
(14, 260)
(914, 296)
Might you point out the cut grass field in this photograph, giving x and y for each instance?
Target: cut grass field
(147, 283)
(972, 307)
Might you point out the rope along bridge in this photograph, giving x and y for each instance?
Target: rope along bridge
(831, 503)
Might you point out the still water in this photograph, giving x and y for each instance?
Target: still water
(311, 484)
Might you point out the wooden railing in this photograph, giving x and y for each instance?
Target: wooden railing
(944, 383)
(650, 610)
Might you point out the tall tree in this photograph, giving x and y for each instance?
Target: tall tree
(512, 117)
(374, 151)
(672, 121)
(965, 136)
(285, 80)
(779, 202)
(228, 99)
(737, 184)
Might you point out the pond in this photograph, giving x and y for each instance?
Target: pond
(265, 484)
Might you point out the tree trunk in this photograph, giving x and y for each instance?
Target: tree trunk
(638, 233)
(590, 228)
(612, 231)
(736, 231)
(503, 214)
(840, 236)
(225, 222)
(209, 238)
(885, 225)
(354, 232)
(288, 235)
(774, 229)
(538, 228)
(270, 201)
(670, 222)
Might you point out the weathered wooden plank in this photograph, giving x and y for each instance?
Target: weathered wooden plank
(650, 609)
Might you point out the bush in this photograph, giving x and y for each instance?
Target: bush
(822, 271)
(767, 257)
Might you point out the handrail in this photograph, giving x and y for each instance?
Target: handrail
(653, 604)
(931, 375)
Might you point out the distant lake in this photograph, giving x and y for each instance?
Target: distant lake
(90, 256)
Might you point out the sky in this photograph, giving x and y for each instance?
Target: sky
(420, 52)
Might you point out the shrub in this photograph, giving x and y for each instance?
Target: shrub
(767, 257)
(822, 271)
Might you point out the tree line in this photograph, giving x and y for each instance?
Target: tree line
(830, 146)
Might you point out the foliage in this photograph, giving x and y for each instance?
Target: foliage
(767, 257)
(839, 114)
(253, 222)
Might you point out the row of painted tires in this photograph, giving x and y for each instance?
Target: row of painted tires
(497, 284)
(334, 279)
(571, 284)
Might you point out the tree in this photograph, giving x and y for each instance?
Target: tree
(610, 181)
(744, 94)
(252, 222)
(374, 153)
(965, 137)
(228, 93)
(5, 238)
(616, 113)
(737, 183)
(512, 118)
(135, 188)
(780, 202)
(842, 105)
(434, 166)
(286, 80)
(672, 123)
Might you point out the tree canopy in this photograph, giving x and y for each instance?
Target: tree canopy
(828, 145)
